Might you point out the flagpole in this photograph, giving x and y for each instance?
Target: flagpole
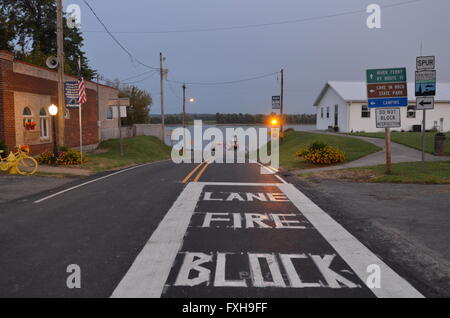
(79, 114)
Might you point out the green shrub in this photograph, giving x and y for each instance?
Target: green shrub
(65, 158)
(317, 145)
(325, 155)
(4, 147)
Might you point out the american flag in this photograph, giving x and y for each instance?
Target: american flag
(82, 98)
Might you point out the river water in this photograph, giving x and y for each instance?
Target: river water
(171, 128)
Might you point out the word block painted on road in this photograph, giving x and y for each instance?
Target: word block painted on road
(387, 88)
(388, 117)
(425, 83)
(195, 271)
(424, 103)
(425, 63)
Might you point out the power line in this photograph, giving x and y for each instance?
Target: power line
(259, 25)
(138, 75)
(141, 80)
(226, 82)
(116, 40)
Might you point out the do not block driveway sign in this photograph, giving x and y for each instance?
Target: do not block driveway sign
(388, 117)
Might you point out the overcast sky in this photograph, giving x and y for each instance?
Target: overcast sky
(311, 52)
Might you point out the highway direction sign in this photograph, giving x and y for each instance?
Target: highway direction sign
(424, 103)
(276, 102)
(388, 117)
(387, 88)
(388, 75)
(425, 63)
(425, 83)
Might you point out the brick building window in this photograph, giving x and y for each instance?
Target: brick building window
(109, 113)
(66, 114)
(43, 120)
(27, 116)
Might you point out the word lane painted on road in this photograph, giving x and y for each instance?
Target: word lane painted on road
(251, 241)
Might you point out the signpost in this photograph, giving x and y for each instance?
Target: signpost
(276, 102)
(119, 111)
(425, 90)
(387, 90)
(425, 83)
(423, 103)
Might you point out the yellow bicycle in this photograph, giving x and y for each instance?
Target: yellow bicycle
(19, 161)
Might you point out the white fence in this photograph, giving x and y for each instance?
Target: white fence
(131, 131)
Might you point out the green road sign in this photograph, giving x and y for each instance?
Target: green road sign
(387, 75)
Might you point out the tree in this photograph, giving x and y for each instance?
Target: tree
(140, 104)
(31, 33)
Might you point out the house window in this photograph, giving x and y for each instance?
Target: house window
(321, 112)
(27, 116)
(411, 111)
(365, 111)
(43, 120)
(328, 112)
(109, 113)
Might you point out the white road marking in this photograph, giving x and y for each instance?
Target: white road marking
(272, 171)
(92, 181)
(242, 184)
(149, 272)
(357, 256)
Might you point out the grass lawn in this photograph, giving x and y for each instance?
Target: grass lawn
(137, 150)
(408, 172)
(297, 140)
(411, 139)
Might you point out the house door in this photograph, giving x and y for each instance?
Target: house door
(336, 115)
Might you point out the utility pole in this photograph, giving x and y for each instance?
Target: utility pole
(60, 57)
(161, 72)
(184, 117)
(281, 104)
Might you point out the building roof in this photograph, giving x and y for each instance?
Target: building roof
(357, 91)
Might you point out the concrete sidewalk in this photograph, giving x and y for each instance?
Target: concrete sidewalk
(400, 153)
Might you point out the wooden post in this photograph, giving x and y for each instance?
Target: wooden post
(60, 57)
(161, 73)
(387, 138)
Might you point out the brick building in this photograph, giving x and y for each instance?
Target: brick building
(27, 90)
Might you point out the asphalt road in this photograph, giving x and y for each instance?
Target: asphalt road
(166, 230)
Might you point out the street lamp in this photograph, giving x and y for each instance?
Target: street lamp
(53, 110)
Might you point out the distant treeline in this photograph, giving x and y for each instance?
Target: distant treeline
(219, 118)
(304, 119)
